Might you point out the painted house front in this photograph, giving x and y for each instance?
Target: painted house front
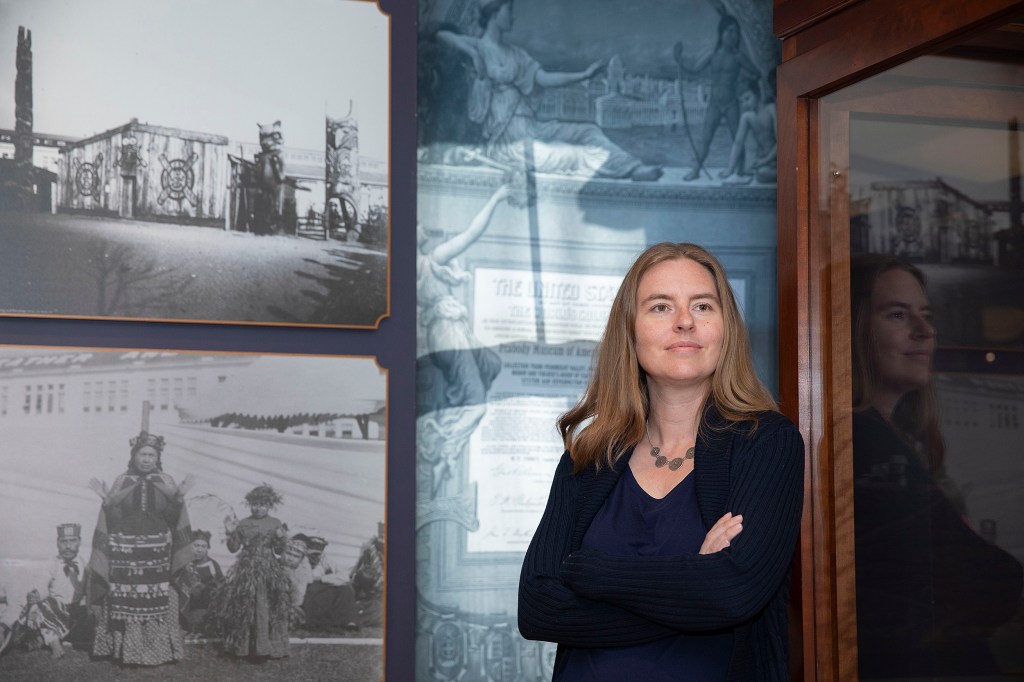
(150, 172)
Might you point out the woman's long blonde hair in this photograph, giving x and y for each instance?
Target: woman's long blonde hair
(616, 401)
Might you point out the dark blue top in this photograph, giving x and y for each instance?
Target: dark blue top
(633, 523)
(585, 598)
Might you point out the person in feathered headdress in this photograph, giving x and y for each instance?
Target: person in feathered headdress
(251, 610)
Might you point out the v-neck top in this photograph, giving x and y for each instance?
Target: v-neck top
(631, 522)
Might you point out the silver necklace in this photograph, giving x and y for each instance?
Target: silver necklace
(661, 460)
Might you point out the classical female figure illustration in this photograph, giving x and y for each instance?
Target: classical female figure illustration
(505, 77)
(450, 412)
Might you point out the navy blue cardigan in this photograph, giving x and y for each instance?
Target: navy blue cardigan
(585, 598)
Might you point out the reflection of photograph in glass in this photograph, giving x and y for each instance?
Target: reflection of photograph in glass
(218, 176)
(232, 461)
(942, 196)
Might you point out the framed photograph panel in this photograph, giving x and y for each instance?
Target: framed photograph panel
(256, 483)
(183, 161)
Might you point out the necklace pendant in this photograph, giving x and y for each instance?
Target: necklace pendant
(661, 460)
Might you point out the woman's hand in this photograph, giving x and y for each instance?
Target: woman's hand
(186, 484)
(592, 69)
(503, 192)
(722, 533)
(99, 487)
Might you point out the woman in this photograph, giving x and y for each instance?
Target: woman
(664, 549)
(141, 550)
(452, 406)
(929, 589)
(505, 76)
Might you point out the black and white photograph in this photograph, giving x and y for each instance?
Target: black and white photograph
(191, 161)
(941, 196)
(191, 515)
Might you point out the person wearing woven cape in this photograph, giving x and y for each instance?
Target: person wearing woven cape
(140, 550)
(252, 607)
(664, 550)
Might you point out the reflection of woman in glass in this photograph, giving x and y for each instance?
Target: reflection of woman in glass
(664, 548)
(929, 589)
(505, 76)
(141, 550)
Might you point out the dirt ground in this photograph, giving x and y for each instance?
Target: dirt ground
(88, 266)
(341, 660)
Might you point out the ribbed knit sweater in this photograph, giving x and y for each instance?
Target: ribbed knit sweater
(586, 598)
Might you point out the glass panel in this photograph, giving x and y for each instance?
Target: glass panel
(936, 348)
(539, 180)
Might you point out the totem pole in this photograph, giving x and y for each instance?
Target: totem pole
(129, 160)
(24, 174)
(342, 187)
(270, 179)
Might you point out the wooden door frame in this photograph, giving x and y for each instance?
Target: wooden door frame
(854, 41)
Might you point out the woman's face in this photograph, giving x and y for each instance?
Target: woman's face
(901, 338)
(679, 326)
(145, 459)
(199, 550)
(259, 510)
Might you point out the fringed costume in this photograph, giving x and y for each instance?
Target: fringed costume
(252, 607)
